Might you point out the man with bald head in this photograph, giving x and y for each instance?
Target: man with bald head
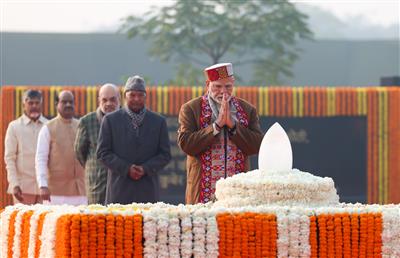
(86, 143)
(59, 175)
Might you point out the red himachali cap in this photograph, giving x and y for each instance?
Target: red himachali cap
(218, 71)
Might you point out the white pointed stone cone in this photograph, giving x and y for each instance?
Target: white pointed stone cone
(275, 150)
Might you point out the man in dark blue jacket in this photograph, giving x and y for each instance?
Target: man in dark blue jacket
(134, 145)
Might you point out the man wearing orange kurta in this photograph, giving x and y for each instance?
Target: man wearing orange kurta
(218, 132)
(59, 174)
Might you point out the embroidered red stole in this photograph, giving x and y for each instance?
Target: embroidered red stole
(213, 158)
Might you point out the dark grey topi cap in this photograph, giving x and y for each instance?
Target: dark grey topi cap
(135, 83)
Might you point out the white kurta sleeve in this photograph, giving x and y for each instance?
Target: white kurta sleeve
(10, 156)
(42, 157)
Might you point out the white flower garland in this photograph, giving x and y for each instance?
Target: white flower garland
(149, 234)
(37, 211)
(186, 235)
(5, 221)
(391, 231)
(294, 234)
(292, 187)
(305, 236)
(283, 234)
(199, 233)
(16, 248)
(192, 230)
(162, 234)
(48, 237)
(212, 236)
(174, 234)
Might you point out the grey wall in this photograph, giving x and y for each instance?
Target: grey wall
(75, 59)
(87, 59)
(333, 62)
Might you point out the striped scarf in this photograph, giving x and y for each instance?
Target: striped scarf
(137, 118)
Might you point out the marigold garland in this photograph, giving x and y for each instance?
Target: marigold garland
(258, 219)
(378, 235)
(244, 236)
(247, 235)
(346, 235)
(252, 234)
(11, 232)
(229, 235)
(63, 237)
(128, 236)
(236, 235)
(119, 236)
(341, 232)
(110, 236)
(39, 233)
(363, 235)
(330, 227)
(138, 235)
(25, 233)
(75, 235)
(273, 226)
(67, 234)
(101, 236)
(84, 236)
(313, 237)
(370, 234)
(354, 234)
(337, 220)
(265, 235)
(323, 236)
(252, 237)
(222, 233)
(92, 235)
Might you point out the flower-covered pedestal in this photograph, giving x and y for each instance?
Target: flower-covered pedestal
(274, 212)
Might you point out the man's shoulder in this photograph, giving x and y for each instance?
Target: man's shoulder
(247, 106)
(117, 114)
(89, 116)
(154, 115)
(57, 119)
(75, 121)
(193, 104)
(52, 121)
(15, 122)
(13, 125)
(23, 119)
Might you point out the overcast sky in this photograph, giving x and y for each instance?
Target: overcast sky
(94, 15)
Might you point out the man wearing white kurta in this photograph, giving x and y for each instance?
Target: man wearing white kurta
(59, 175)
(20, 149)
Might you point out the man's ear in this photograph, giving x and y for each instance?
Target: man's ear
(207, 84)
